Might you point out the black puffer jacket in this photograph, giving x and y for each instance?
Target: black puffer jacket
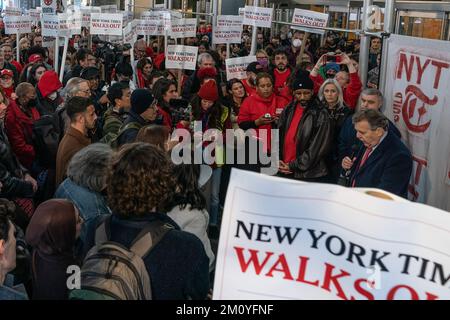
(314, 140)
(11, 172)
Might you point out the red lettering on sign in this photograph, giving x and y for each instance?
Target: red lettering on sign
(416, 176)
(409, 108)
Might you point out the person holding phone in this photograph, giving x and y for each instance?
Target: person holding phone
(349, 81)
(261, 110)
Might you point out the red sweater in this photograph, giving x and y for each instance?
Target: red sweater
(351, 92)
(248, 88)
(255, 106)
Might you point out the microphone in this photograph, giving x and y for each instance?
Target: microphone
(345, 173)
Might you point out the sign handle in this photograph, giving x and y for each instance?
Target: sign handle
(17, 47)
(56, 55)
(302, 49)
(228, 51)
(63, 60)
(180, 78)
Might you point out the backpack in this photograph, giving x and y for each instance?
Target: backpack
(111, 271)
(47, 134)
(114, 140)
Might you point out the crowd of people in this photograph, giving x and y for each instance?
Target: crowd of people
(89, 157)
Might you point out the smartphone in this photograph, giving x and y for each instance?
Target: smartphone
(268, 116)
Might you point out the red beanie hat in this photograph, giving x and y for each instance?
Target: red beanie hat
(49, 83)
(208, 72)
(209, 91)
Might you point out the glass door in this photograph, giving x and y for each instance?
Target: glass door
(421, 24)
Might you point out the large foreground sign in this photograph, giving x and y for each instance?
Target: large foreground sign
(282, 239)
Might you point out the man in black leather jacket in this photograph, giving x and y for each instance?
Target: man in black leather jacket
(305, 134)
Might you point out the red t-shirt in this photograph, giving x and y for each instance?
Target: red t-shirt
(280, 79)
(290, 140)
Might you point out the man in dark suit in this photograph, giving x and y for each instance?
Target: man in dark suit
(383, 162)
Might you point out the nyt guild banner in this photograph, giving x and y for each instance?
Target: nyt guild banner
(417, 101)
(282, 239)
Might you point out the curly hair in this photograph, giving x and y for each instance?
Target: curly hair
(140, 180)
(7, 213)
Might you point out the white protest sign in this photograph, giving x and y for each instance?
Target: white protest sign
(150, 28)
(106, 24)
(183, 28)
(12, 11)
(129, 33)
(63, 24)
(258, 16)
(109, 8)
(159, 6)
(35, 15)
(181, 57)
(221, 36)
(17, 24)
(49, 6)
(241, 12)
(307, 20)
(86, 15)
(236, 67)
(161, 17)
(227, 22)
(50, 25)
(417, 97)
(282, 239)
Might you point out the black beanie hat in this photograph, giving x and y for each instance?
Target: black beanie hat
(141, 99)
(302, 81)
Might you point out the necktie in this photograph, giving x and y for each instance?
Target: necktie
(363, 160)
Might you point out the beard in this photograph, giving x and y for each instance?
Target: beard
(281, 67)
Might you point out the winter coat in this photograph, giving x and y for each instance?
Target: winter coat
(19, 128)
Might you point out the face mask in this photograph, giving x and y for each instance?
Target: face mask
(53, 96)
(31, 103)
(297, 43)
(263, 62)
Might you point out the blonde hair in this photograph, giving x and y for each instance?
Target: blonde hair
(338, 88)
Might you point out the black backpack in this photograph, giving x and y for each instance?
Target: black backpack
(47, 133)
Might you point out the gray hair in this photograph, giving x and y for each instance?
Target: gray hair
(371, 92)
(338, 88)
(374, 117)
(204, 56)
(89, 166)
(72, 87)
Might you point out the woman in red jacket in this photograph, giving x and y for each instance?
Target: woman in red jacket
(20, 117)
(262, 109)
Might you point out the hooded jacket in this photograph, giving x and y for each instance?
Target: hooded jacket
(48, 83)
(19, 128)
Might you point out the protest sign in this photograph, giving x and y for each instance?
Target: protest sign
(106, 24)
(417, 100)
(49, 6)
(228, 22)
(17, 24)
(181, 57)
(258, 16)
(306, 20)
(150, 28)
(12, 11)
(221, 36)
(160, 17)
(50, 25)
(129, 33)
(236, 67)
(35, 16)
(109, 8)
(86, 15)
(183, 28)
(282, 239)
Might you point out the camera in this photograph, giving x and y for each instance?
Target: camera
(333, 57)
(110, 54)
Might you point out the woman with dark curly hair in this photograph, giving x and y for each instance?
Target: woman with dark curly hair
(144, 70)
(139, 183)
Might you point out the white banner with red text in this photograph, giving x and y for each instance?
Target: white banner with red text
(282, 239)
(417, 101)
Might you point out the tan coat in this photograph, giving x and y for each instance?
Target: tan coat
(72, 142)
